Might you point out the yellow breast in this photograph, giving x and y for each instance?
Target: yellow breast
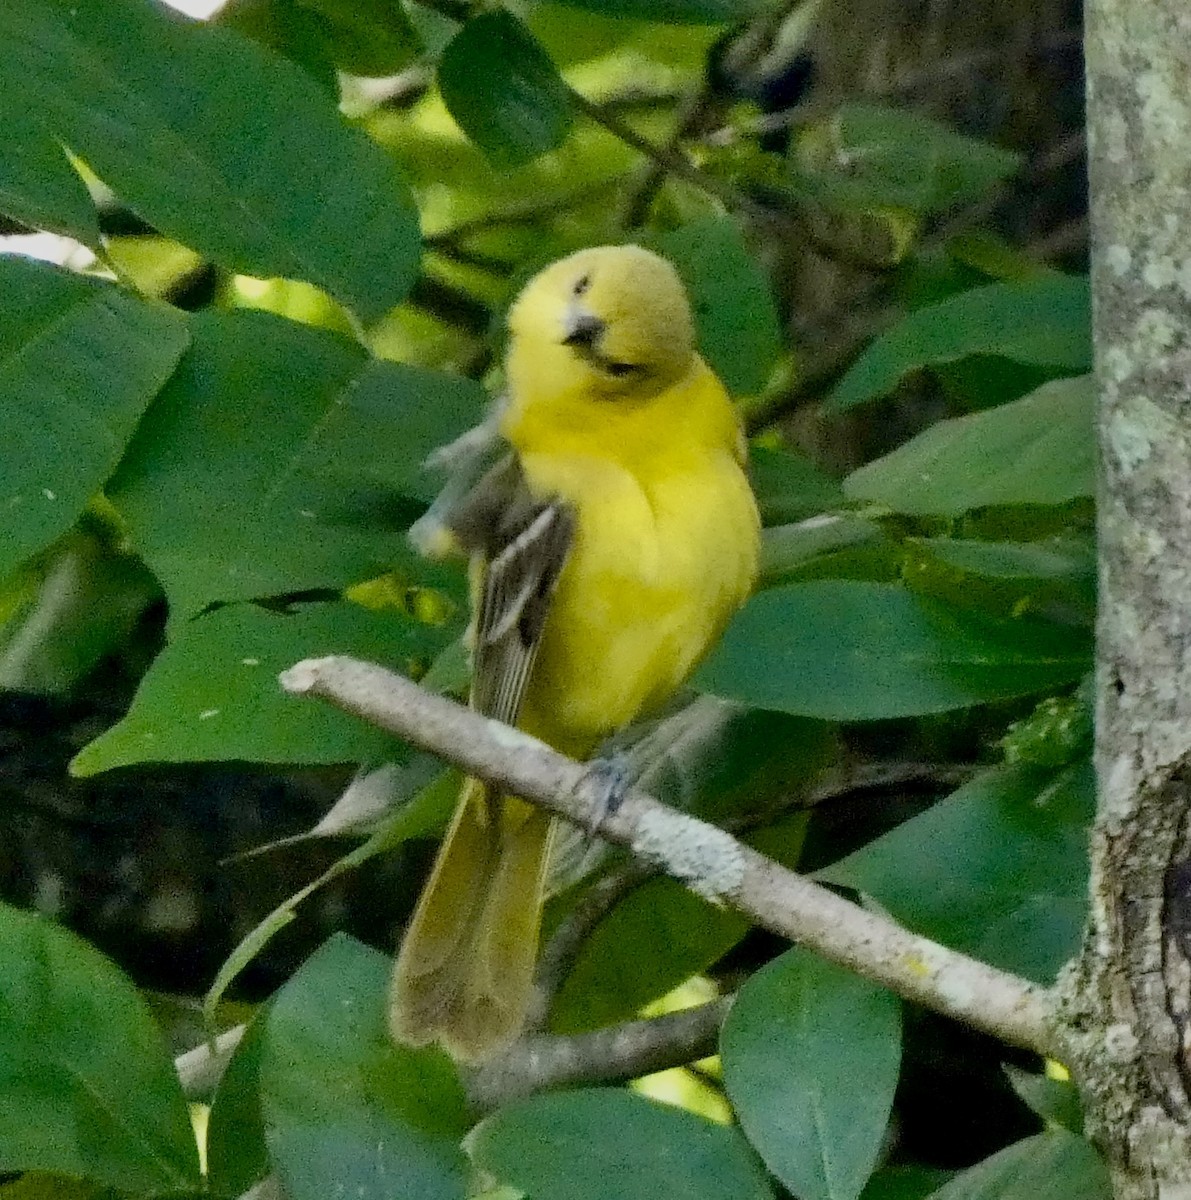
(665, 551)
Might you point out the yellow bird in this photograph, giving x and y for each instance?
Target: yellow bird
(609, 549)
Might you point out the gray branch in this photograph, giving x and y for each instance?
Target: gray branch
(705, 858)
(538, 1062)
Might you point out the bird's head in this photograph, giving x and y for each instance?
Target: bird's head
(612, 322)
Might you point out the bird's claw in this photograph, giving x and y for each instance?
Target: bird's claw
(609, 778)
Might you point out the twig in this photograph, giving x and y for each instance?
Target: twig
(626, 1051)
(885, 776)
(640, 195)
(670, 159)
(705, 858)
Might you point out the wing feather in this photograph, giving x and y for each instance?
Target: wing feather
(518, 582)
(521, 543)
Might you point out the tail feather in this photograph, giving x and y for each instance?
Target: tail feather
(465, 969)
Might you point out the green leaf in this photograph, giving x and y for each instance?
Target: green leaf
(79, 363)
(88, 1088)
(38, 185)
(1045, 321)
(1040, 449)
(789, 486)
(1055, 1165)
(811, 1054)
(212, 694)
(1005, 879)
(904, 1183)
(289, 29)
(661, 934)
(365, 37)
(609, 1144)
(236, 1155)
(869, 156)
(425, 812)
(67, 610)
(735, 317)
(348, 1112)
(786, 550)
(720, 760)
(857, 651)
(658, 936)
(360, 37)
(1056, 1101)
(267, 180)
(1057, 733)
(503, 90)
(673, 12)
(281, 458)
(1066, 560)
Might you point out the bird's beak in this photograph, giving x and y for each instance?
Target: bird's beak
(581, 328)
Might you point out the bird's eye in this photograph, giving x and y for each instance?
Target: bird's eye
(620, 369)
(582, 284)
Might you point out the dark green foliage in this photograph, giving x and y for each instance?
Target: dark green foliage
(504, 91)
(817, 1110)
(88, 1088)
(205, 495)
(611, 1145)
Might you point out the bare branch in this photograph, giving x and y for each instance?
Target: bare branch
(705, 858)
(627, 1051)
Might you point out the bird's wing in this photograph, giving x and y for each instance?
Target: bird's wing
(521, 543)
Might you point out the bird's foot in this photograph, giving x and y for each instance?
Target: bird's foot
(610, 776)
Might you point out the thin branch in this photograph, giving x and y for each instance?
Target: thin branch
(670, 159)
(525, 213)
(627, 1051)
(704, 857)
(884, 777)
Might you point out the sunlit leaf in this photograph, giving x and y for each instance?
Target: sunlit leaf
(266, 180)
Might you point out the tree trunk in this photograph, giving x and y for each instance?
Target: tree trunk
(1128, 997)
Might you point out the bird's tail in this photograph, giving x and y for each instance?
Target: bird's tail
(465, 970)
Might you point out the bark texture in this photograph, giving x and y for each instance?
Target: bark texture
(1128, 998)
